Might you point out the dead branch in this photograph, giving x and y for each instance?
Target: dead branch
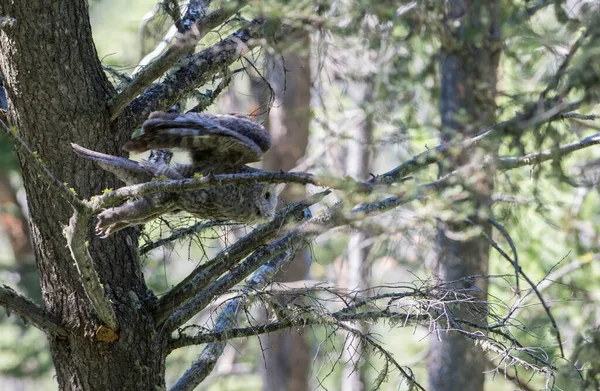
(423, 305)
(76, 234)
(190, 75)
(534, 289)
(508, 163)
(31, 312)
(226, 320)
(206, 273)
(179, 234)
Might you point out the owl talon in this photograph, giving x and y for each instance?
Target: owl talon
(103, 227)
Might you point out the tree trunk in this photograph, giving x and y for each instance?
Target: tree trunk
(287, 354)
(469, 59)
(14, 224)
(57, 94)
(358, 163)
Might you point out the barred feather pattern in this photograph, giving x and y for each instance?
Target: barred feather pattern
(239, 203)
(217, 143)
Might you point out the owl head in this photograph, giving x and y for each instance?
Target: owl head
(266, 203)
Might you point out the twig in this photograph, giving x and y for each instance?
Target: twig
(219, 336)
(50, 179)
(513, 378)
(176, 235)
(292, 240)
(534, 289)
(204, 274)
(213, 95)
(226, 320)
(562, 69)
(583, 117)
(147, 18)
(442, 151)
(513, 248)
(508, 163)
(31, 312)
(171, 8)
(258, 176)
(153, 71)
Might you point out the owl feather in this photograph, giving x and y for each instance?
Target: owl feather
(216, 143)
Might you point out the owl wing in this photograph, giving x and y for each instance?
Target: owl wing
(214, 141)
(128, 171)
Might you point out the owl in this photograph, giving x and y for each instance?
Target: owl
(217, 144)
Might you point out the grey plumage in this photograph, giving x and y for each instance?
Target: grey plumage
(217, 144)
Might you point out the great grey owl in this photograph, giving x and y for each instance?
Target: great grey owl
(217, 144)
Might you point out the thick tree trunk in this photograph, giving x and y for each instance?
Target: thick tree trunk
(287, 354)
(469, 59)
(57, 94)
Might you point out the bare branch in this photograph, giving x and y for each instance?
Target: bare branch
(226, 320)
(426, 305)
(513, 248)
(190, 75)
(76, 234)
(206, 273)
(258, 176)
(443, 151)
(30, 312)
(508, 163)
(513, 378)
(209, 99)
(534, 289)
(215, 335)
(201, 226)
(293, 240)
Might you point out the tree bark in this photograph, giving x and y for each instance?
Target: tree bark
(287, 354)
(468, 62)
(57, 94)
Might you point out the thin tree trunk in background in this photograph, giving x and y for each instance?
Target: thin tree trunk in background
(357, 280)
(14, 224)
(287, 354)
(468, 64)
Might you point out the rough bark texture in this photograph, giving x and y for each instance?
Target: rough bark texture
(469, 58)
(57, 94)
(287, 354)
